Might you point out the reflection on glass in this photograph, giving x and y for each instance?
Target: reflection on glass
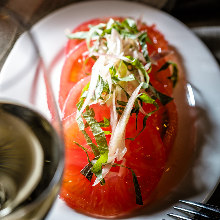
(31, 145)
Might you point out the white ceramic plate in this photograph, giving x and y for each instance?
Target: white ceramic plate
(201, 72)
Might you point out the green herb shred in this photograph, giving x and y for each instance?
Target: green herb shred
(122, 65)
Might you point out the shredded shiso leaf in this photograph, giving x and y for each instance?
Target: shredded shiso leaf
(119, 79)
(174, 76)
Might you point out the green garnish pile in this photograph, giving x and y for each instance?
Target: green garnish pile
(119, 79)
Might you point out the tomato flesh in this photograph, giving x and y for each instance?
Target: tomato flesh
(117, 196)
(76, 67)
(146, 155)
(71, 44)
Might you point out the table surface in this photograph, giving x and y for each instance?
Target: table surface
(202, 16)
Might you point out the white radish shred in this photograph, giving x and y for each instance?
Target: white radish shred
(113, 113)
(114, 43)
(115, 141)
(102, 65)
(113, 56)
(105, 171)
(92, 85)
(109, 56)
(117, 148)
(120, 152)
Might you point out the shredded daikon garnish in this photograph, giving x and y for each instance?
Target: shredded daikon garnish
(115, 147)
(120, 79)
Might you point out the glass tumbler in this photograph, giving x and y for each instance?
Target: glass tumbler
(31, 142)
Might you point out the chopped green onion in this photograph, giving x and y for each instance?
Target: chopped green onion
(122, 103)
(164, 99)
(137, 188)
(174, 75)
(100, 138)
(87, 171)
(143, 39)
(104, 123)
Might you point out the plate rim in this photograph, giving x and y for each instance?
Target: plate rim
(47, 19)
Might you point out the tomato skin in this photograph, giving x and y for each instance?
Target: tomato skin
(71, 44)
(77, 65)
(157, 39)
(146, 155)
(74, 94)
(74, 70)
(147, 159)
(172, 127)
